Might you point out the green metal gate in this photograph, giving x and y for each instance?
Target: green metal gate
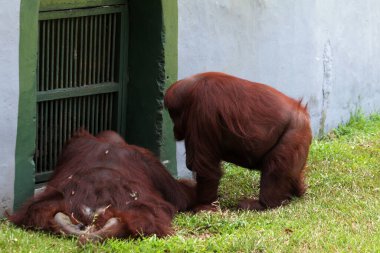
(82, 77)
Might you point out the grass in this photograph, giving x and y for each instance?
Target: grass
(339, 213)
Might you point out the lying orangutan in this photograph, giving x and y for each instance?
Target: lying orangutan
(103, 187)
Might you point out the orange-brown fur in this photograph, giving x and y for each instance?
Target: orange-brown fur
(127, 181)
(222, 117)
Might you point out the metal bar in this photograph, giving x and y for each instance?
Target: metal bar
(76, 83)
(81, 52)
(97, 112)
(94, 63)
(42, 136)
(79, 115)
(101, 126)
(52, 55)
(103, 78)
(88, 125)
(93, 114)
(69, 117)
(98, 68)
(113, 49)
(108, 76)
(85, 52)
(67, 52)
(56, 137)
(105, 111)
(43, 176)
(62, 54)
(47, 56)
(64, 123)
(75, 7)
(60, 125)
(83, 112)
(71, 53)
(90, 50)
(50, 105)
(58, 70)
(45, 136)
(74, 115)
(79, 91)
(111, 111)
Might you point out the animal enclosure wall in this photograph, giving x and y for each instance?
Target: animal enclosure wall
(9, 86)
(75, 71)
(324, 51)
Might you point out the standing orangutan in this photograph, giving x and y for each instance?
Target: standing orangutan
(103, 187)
(222, 117)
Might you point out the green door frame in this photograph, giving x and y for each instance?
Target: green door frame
(152, 68)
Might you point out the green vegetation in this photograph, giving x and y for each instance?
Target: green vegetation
(339, 213)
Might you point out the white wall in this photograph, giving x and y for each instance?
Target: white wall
(326, 51)
(9, 89)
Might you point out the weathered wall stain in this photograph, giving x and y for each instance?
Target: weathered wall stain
(326, 85)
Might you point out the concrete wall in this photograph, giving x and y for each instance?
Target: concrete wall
(9, 89)
(326, 51)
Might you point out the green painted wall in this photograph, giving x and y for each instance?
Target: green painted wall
(152, 67)
(170, 32)
(25, 145)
